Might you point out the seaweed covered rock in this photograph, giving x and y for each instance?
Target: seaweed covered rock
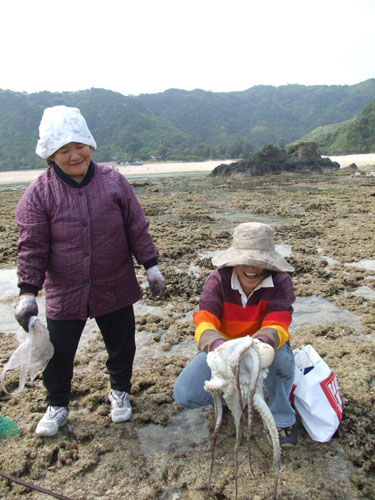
(299, 158)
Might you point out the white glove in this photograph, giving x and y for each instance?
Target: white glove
(26, 308)
(156, 281)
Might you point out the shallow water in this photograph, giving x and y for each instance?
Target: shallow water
(186, 429)
(368, 264)
(364, 291)
(329, 260)
(314, 310)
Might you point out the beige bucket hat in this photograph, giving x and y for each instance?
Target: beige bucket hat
(253, 245)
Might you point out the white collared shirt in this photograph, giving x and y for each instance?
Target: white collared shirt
(236, 285)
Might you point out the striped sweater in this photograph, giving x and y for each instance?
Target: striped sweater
(220, 308)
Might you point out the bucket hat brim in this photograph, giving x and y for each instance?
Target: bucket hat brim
(271, 260)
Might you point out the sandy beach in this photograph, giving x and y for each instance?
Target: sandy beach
(26, 176)
(364, 160)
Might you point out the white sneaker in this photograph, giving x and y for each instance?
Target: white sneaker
(121, 407)
(54, 418)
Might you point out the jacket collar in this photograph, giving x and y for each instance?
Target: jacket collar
(68, 180)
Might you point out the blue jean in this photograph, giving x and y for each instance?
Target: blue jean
(189, 392)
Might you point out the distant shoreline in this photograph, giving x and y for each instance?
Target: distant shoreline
(26, 176)
(363, 160)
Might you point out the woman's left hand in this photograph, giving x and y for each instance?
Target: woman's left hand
(156, 281)
(26, 308)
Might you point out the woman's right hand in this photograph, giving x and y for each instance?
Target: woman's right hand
(26, 308)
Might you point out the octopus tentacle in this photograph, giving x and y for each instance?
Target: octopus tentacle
(254, 370)
(237, 373)
(238, 433)
(254, 377)
(216, 395)
(270, 425)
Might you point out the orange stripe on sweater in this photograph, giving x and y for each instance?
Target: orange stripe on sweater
(239, 322)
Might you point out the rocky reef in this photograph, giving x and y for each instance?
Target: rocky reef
(298, 158)
(163, 452)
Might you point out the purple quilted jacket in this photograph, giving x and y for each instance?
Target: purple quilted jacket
(79, 242)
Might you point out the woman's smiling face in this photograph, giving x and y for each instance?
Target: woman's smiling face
(250, 277)
(73, 159)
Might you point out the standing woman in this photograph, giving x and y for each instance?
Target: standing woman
(80, 224)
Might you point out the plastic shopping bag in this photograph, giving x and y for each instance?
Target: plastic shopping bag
(316, 395)
(31, 356)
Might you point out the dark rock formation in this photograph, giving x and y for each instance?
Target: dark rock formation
(298, 158)
(349, 170)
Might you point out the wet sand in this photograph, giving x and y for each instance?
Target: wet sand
(163, 452)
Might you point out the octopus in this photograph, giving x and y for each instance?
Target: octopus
(238, 368)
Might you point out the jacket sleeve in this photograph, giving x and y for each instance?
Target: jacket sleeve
(33, 242)
(136, 227)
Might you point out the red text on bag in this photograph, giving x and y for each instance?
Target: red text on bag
(330, 387)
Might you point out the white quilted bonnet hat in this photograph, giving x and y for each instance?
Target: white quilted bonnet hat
(253, 245)
(61, 125)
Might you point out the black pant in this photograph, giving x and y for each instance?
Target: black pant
(118, 331)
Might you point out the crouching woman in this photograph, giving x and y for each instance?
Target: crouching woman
(250, 293)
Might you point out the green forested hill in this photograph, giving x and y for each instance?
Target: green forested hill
(178, 124)
(356, 135)
(261, 114)
(122, 127)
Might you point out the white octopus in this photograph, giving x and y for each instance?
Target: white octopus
(238, 368)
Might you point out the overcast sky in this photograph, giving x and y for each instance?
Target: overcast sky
(148, 46)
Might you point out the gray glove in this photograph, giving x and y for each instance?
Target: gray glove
(26, 308)
(156, 281)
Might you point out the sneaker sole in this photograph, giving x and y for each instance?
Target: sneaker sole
(288, 445)
(121, 418)
(44, 432)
